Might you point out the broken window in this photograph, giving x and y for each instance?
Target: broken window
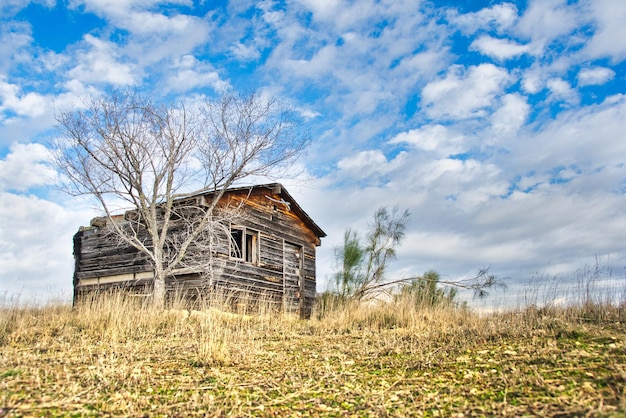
(244, 244)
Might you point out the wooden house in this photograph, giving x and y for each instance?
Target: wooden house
(266, 253)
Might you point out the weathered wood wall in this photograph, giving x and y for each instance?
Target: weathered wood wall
(283, 274)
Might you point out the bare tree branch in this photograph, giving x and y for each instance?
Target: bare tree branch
(128, 152)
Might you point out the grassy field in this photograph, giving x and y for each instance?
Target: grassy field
(116, 358)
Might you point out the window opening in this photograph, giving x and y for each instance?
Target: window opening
(236, 243)
(244, 245)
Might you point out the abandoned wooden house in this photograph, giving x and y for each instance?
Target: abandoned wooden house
(266, 252)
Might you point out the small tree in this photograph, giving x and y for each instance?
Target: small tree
(363, 265)
(125, 150)
(425, 291)
(351, 256)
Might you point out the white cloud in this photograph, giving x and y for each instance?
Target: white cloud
(500, 17)
(30, 104)
(544, 71)
(388, 48)
(511, 115)
(15, 40)
(533, 81)
(549, 229)
(26, 166)
(422, 66)
(607, 40)
(364, 165)
(467, 183)
(343, 14)
(589, 138)
(321, 64)
(112, 8)
(546, 20)
(501, 49)
(23, 115)
(152, 37)
(364, 160)
(102, 62)
(188, 73)
(36, 246)
(560, 90)
(465, 93)
(323, 9)
(245, 52)
(437, 138)
(9, 8)
(594, 76)
(142, 22)
(307, 114)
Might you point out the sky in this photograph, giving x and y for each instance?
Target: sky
(499, 125)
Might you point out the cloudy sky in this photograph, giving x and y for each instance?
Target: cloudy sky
(500, 125)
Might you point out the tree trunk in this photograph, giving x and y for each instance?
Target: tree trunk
(158, 292)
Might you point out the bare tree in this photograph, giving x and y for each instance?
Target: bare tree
(125, 150)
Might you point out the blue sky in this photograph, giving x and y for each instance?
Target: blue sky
(499, 125)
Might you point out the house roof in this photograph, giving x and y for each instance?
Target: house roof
(279, 189)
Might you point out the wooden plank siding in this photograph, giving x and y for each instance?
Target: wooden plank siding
(279, 271)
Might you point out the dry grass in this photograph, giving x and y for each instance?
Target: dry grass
(116, 357)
